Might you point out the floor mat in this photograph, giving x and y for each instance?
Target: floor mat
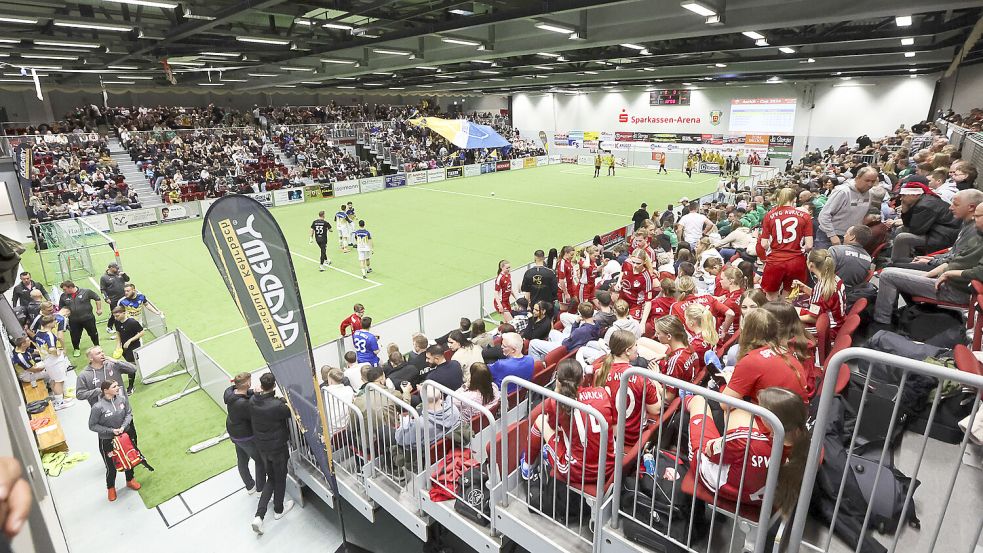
(165, 433)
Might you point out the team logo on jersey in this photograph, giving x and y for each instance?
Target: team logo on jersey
(623, 116)
(715, 116)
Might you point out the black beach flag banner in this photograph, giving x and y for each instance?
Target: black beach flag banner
(251, 254)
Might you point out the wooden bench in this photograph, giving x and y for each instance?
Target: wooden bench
(51, 437)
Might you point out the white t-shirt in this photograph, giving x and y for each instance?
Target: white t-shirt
(693, 223)
(337, 411)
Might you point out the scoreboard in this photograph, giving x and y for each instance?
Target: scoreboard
(669, 98)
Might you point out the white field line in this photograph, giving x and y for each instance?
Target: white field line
(620, 215)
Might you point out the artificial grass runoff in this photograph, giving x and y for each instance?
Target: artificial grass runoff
(165, 433)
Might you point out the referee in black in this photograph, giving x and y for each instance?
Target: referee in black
(319, 232)
(80, 317)
(112, 284)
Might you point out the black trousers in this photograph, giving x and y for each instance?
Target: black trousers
(275, 465)
(106, 447)
(76, 326)
(324, 251)
(597, 170)
(112, 305)
(244, 452)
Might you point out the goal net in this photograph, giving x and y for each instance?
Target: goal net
(66, 248)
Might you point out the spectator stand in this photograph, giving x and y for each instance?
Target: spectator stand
(624, 507)
(483, 535)
(528, 525)
(968, 375)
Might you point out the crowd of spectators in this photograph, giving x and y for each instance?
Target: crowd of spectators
(972, 120)
(75, 176)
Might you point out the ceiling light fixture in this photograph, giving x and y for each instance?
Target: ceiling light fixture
(786, 50)
(903, 20)
(462, 41)
(488, 72)
(221, 54)
(12, 19)
(720, 65)
(548, 55)
(288, 68)
(235, 80)
(339, 26)
(633, 46)
(371, 84)
(754, 35)
(426, 68)
(397, 88)
(552, 27)
(344, 86)
(263, 74)
(66, 44)
(912, 76)
(339, 61)
(912, 70)
(285, 86)
(135, 77)
(388, 52)
(146, 3)
(186, 63)
(459, 11)
(699, 8)
(92, 26)
(211, 84)
(261, 40)
(123, 67)
(907, 41)
(425, 85)
(810, 60)
(909, 54)
(311, 82)
(761, 42)
(120, 82)
(304, 22)
(47, 57)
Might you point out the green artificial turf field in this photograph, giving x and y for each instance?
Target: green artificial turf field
(430, 241)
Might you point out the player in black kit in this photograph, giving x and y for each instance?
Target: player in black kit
(319, 232)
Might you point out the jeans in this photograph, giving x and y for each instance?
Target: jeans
(275, 465)
(539, 348)
(244, 452)
(905, 244)
(894, 281)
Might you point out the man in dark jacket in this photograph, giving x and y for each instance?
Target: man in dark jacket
(22, 292)
(270, 417)
(239, 425)
(640, 216)
(928, 223)
(112, 284)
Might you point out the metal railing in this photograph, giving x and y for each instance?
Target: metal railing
(941, 489)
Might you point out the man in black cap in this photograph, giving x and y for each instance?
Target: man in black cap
(640, 216)
(112, 284)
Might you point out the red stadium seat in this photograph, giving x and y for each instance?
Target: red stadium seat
(822, 336)
(858, 306)
(723, 347)
(554, 357)
(690, 486)
(842, 375)
(850, 325)
(518, 433)
(966, 361)
(541, 373)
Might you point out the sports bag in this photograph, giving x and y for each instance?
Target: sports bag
(125, 455)
(473, 502)
(922, 322)
(551, 497)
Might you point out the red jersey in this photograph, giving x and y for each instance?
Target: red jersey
(587, 268)
(740, 454)
(763, 368)
(698, 345)
(640, 389)
(733, 302)
(354, 321)
(577, 444)
(716, 307)
(834, 305)
(787, 227)
(503, 292)
(680, 363)
(718, 289)
(808, 361)
(564, 277)
(636, 288)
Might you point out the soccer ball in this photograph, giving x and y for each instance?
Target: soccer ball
(493, 193)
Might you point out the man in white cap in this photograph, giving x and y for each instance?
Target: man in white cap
(926, 223)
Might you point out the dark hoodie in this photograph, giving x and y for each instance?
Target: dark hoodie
(270, 416)
(239, 421)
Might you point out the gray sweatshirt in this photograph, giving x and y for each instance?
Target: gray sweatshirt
(87, 387)
(108, 415)
(844, 208)
(431, 424)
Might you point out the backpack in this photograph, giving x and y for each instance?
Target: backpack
(125, 455)
(473, 503)
(922, 322)
(654, 507)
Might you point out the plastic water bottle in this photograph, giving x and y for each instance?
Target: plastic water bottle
(649, 461)
(525, 467)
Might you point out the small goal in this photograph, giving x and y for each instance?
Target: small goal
(66, 248)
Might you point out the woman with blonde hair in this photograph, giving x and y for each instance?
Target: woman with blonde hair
(786, 237)
(706, 250)
(637, 284)
(686, 294)
(680, 360)
(732, 284)
(642, 393)
(828, 296)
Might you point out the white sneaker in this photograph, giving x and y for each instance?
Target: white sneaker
(252, 490)
(287, 505)
(322, 267)
(63, 404)
(258, 525)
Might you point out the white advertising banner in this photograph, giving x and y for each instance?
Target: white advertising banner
(435, 175)
(100, 222)
(288, 196)
(542, 160)
(585, 160)
(178, 212)
(472, 170)
(372, 184)
(265, 198)
(346, 187)
(416, 177)
(555, 159)
(517, 164)
(136, 218)
(205, 204)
